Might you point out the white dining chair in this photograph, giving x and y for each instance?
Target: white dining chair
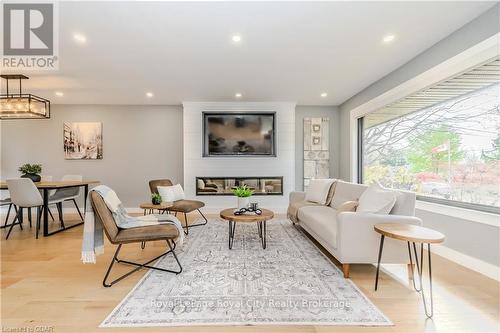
(24, 194)
(66, 194)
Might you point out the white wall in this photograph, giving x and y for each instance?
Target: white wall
(462, 235)
(195, 165)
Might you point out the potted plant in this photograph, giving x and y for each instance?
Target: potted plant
(155, 198)
(243, 193)
(31, 171)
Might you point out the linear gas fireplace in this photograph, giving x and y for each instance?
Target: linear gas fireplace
(225, 185)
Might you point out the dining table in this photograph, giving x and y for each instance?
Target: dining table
(45, 187)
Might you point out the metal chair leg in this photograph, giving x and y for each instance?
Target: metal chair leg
(6, 225)
(60, 211)
(187, 225)
(193, 225)
(8, 213)
(139, 266)
(38, 219)
(78, 209)
(20, 217)
(14, 223)
(50, 213)
(29, 216)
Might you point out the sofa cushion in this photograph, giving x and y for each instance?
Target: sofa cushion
(294, 207)
(376, 199)
(346, 192)
(318, 190)
(322, 220)
(348, 206)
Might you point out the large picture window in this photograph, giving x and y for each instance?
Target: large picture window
(448, 152)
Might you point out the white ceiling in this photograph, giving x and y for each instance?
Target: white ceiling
(290, 51)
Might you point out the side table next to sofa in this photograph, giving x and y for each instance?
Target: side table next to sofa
(415, 234)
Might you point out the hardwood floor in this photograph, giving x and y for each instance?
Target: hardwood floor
(44, 284)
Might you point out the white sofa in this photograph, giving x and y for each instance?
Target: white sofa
(349, 236)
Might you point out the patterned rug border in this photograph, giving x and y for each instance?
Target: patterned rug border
(281, 221)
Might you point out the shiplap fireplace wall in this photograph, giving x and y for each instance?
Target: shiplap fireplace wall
(195, 165)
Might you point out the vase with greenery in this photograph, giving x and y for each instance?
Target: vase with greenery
(31, 171)
(243, 193)
(155, 198)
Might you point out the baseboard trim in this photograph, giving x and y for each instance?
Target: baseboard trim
(469, 262)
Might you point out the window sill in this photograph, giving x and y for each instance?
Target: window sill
(461, 213)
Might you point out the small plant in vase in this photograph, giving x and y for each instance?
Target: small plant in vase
(243, 193)
(31, 171)
(155, 199)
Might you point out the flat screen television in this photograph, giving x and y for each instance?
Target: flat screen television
(239, 134)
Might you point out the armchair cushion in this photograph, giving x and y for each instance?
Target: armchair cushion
(149, 233)
(186, 206)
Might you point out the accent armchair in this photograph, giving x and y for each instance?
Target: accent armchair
(180, 206)
(117, 236)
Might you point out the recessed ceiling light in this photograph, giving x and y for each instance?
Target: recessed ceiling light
(79, 38)
(149, 94)
(238, 95)
(388, 38)
(236, 38)
(324, 94)
(59, 93)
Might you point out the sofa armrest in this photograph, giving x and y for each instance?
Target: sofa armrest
(357, 240)
(297, 196)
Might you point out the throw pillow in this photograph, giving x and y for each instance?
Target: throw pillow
(318, 190)
(171, 193)
(376, 199)
(348, 206)
(331, 193)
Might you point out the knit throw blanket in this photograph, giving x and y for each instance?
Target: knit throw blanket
(93, 233)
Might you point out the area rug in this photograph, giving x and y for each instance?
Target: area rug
(289, 283)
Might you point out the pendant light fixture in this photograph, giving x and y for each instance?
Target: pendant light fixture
(22, 106)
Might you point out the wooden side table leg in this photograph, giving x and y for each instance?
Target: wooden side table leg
(382, 237)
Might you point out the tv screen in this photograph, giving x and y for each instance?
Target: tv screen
(238, 134)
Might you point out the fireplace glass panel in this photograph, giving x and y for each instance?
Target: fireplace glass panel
(225, 185)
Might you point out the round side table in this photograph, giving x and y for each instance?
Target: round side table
(228, 215)
(414, 234)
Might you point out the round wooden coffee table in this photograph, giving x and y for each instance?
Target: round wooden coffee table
(228, 215)
(415, 234)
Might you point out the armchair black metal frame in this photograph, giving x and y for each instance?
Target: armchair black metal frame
(139, 265)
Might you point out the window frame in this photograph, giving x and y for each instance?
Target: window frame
(441, 201)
